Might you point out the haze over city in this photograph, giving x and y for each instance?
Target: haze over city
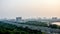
(29, 16)
(29, 8)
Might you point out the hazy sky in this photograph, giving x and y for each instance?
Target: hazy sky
(29, 8)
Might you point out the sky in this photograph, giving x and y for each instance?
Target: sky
(29, 8)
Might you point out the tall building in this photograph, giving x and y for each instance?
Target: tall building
(54, 17)
(18, 19)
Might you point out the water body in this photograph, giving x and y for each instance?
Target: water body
(57, 23)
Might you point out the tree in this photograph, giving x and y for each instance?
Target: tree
(53, 26)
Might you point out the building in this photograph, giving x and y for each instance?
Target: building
(54, 17)
(18, 19)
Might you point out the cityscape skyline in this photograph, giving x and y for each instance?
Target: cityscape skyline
(29, 16)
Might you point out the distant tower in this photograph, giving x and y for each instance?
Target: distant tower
(18, 19)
